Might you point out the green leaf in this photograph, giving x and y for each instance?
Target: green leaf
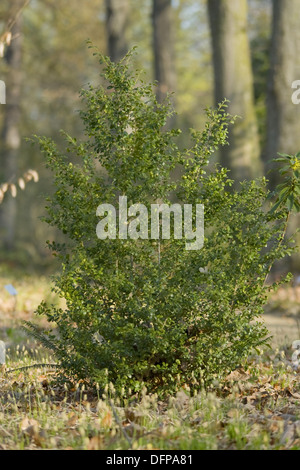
(275, 207)
(283, 192)
(285, 155)
(290, 202)
(296, 206)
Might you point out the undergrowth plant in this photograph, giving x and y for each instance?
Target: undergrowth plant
(150, 312)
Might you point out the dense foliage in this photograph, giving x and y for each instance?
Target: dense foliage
(151, 311)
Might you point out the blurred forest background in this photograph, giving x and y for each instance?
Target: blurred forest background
(204, 51)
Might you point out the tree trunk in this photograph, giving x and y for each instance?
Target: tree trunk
(233, 80)
(283, 117)
(116, 23)
(11, 139)
(163, 46)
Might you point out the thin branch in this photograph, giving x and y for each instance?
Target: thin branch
(12, 22)
(280, 241)
(6, 38)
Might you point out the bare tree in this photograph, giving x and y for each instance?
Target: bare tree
(117, 12)
(233, 80)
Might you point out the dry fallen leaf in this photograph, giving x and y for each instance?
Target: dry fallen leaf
(106, 421)
(95, 443)
(28, 423)
(72, 421)
(30, 427)
(294, 395)
(237, 375)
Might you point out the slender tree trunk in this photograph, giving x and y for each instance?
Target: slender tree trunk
(117, 12)
(283, 117)
(233, 79)
(163, 46)
(10, 137)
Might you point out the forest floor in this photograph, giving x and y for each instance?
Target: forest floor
(257, 408)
